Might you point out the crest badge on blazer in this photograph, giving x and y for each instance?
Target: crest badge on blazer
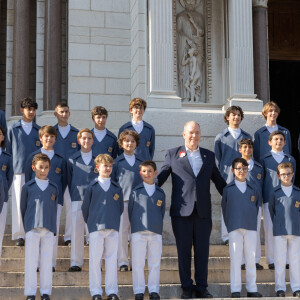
(297, 204)
(4, 167)
(148, 144)
(109, 149)
(73, 145)
(57, 170)
(53, 197)
(116, 197)
(259, 176)
(38, 143)
(252, 198)
(159, 202)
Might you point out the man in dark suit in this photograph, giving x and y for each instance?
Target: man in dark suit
(191, 169)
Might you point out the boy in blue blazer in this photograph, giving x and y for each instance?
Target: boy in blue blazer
(126, 171)
(284, 206)
(38, 211)
(22, 139)
(105, 141)
(146, 210)
(66, 145)
(102, 209)
(240, 204)
(146, 147)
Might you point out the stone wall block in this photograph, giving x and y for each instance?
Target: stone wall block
(110, 69)
(117, 53)
(86, 18)
(86, 52)
(117, 20)
(117, 86)
(87, 85)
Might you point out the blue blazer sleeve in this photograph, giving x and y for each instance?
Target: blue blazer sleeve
(10, 173)
(2, 195)
(218, 152)
(9, 141)
(85, 207)
(223, 204)
(114, 153)
(23, 204)
(130, 205)
(217, 179)
(64, 176)
(121, 203)
(272, 206)
(256, 146)
(28, 169)
(69, 172)
(152, 144)
(165, 170)
(288, 141)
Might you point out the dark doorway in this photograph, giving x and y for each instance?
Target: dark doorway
(285, 91)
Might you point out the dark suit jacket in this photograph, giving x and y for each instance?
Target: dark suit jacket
(186, 187)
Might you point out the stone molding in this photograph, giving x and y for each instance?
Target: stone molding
(260, 3)
(208, 6)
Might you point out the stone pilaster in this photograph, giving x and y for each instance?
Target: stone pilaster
(21, 53)
(161, 51)
(52, 54)
(241, 69)
(260, 49)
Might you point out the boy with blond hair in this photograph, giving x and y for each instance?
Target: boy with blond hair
(102, 209)
(146, 147)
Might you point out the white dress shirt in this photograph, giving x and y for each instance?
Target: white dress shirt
(235, 132)
(64, 130)
(138, 126)
(241, 185)
(130, 159)
(278, 156)
(272, 128)
(100, 134)
(49, 153)
(104, 183)
(27, 126)
(150, 188)
(42, 184)
(195, 159)
(287, 190)
(250, 164)
(87, 157)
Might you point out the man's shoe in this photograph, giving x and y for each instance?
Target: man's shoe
(30, 298)
(203, 294)
(87, 243)
(112, 297)
(68, 243)
(37, 269)
(259, 266)
(123, 268)
(45, 297)
(20, 242)
(271, 267)
(296, 294)
(74, 269)
(154, 296)
(287, 266)
(236, 295)
(254, 295)
(226, 243)
(280, 293)
(53, 269)
(243, 267)
(139, 296)
(97, 297)
(187, 293)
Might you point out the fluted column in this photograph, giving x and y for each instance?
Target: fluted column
(260, 49)
(161, 52)
(21, 54)
(52, 54)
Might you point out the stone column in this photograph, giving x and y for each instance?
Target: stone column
(241, 71)
(21, 54)
(260, 49)
(161, 55)
(52, 54)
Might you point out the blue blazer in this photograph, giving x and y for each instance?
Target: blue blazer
(188, 188)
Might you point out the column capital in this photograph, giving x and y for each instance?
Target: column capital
(260, 3)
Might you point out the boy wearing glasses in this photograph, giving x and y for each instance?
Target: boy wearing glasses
(284, 206)
(240, 204)
(270, 162)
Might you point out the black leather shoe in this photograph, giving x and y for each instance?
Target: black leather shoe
(259, 266)
(87, 243)
(30, 298)
(20, 242)
(112, 297)
(124, 268)
(280, 293)
(243, 267)
(271, 267)
(296, 294)
(68, 243)
(236, 295)
(203, 294)
(254, 295)
(226, 243)
(154, 296)
(53, 269)
(139, 296)
(187, 294)
(45, 297)
(74, 269)
(97, 297)
(287, 266)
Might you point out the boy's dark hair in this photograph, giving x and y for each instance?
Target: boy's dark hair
(3, 143)
(148, 163)
(40, 157)
(245, 141)
(276, 132)
(284, 166)
(99, 110)
(230, 110)
(123, 134)
(239, 160)
(137, 102)
(47, 129)
(61, 104)
(28, 103)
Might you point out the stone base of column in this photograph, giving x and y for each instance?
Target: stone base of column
(246, 102)
(163, 100)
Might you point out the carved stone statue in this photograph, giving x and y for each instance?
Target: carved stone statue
(191, 51)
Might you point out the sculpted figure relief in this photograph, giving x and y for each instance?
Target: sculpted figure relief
(191, 51)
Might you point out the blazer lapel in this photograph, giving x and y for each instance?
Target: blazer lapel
(185, 161)
(204, 161)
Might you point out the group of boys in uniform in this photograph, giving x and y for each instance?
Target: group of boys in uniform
(107, 185)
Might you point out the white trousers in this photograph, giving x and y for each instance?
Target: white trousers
(55, 239)
(241, 242)
(269, 239)
(287, 245)
(103, 242)
(2, 225)
(17, 223)
(68, 208)
(124, 235)
(39, 243)
(151, 244)
(224, 232)
(77, 237)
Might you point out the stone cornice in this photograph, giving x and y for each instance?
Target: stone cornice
(260, 3)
